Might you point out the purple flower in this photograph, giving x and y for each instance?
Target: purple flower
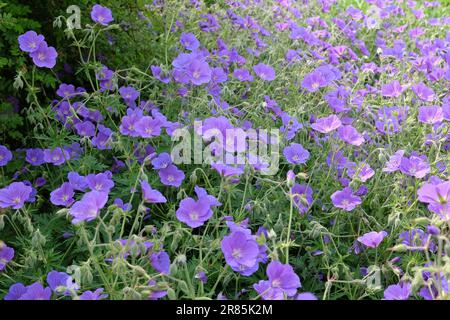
(35, 157)
(30, 41)
(85, 129)
(124, 206)
(128, 123)
(160, 261)
(61, 283)
(88, 207)
(194, 213)
(151, 195)
(423, 92)
(77, 181)
(129, 95)
(201, 193)
(218, 75)
(283, 282)
(6, 255)
(363, 172)
(295, 153)
(15, 292)
(241, 252)
(32, 292)
(306, 296)
(15, 195)
(65, 90)
(162, 161)
(242, 75)
(417, 240)
(314, 81)
(345, 199)
(400, 291)
(327, 124)
(393, 164)
(302, 197)
(267, 292)
(5, 155)
(415, 166)
(227, 170)
(44, 56)
(158, 74)
(392, 90)
(171, 176)
(100, 182)
(264, 71)
(350, 135)
(103, 138)
(101, 15)
(437, 196)
(96, 295)
(148, 127)
(62, 196)
(189, 41)
(56, 156)
(198, 72)
(283, 276)
(431, 115)
(155, 293)
(372, 239)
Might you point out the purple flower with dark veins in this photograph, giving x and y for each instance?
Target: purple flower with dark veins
(100, 182)
(302, 196)
(415, 166)
(431, 115)
(44, 56)
(392, 90)
(6, 255)
(423, 92)
(77, 181)
(35, 157)
(101, 15)
(171, 176)
(62, 196)
(129, 95)
(160, 261)
(241, 252)
(306, 296)
(242, 75)
(194, 213)
(345, 199)
(30, 41)
(264, 71)
(88, 207)
(400, 291)
(61, 283)
(296, 154)
(56, 156)
(5, 155)
(15, 195)
(283, 282)
(85, 129)
(151, 195)
(372, 239)
(34, 291)
(189, 41)
(96, 295)
(350, 135)
(393, 164)
(162, 161)
(327, 124)
(148, 127)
